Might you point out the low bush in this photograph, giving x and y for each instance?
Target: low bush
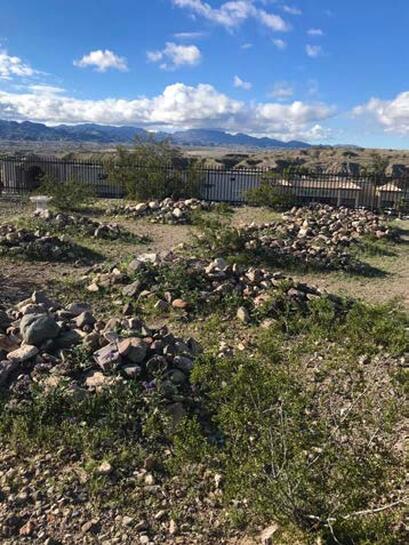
(71, 195)
(310, 439)
(266, 194)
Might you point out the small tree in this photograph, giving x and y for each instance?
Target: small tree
(377, 167)
(147, 171)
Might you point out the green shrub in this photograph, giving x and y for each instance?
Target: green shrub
(149, 172)
(218, 237)
(311, 452)
(70, 195)
(269, 195)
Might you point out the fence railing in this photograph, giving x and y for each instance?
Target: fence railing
(23, 175)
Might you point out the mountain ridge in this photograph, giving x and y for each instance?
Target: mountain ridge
(106, 134)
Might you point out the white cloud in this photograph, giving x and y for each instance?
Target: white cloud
(173, 56)
(189, 35)
(292, 10)
(282, 90)
(315, 32)
(313, 51)
(43, 89)
(241, 84)
(233, 13)
(178, 106)
(392, 115)
(280, 44)
(11, 67)
(246, 46)
(102, 60)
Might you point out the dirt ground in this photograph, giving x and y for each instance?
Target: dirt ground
(19, 278)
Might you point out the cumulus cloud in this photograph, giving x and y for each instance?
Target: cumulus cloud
(173, 56)
(178, 106)
(313, 51)
(246, 45)
(233, 13)
(282, 90)
(102, 60)
(12, 66)
(241, 84)
(392, 115)
(280, 44)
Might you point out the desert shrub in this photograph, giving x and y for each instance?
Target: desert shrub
(148, 172)
(311, 451)
(269, 195)
(71, 195)
(217, 236)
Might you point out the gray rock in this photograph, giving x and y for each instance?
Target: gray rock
(37, 328)
(68, 339)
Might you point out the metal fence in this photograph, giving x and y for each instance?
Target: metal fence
(23, 175)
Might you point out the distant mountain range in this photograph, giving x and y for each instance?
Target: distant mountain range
(105, 134)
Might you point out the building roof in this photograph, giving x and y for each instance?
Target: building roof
(390, 188)
(327, 183)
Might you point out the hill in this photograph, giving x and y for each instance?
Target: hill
(105, 134)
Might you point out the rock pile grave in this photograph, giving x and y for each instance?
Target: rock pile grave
(60, 221)
(168, 211)
(319, 235)
(37, 337)
(21, 242)
(203, 283)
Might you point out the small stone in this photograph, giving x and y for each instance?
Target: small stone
(132, 371)
(85, 318)
(96, 380)
(68, 339)
(105, 469)
(180, 304)
(93, 287)
(267, 535)
(243, 315)
(77, 308)
(107, 356)
(24, 353)
(133, 349)
(27, 529)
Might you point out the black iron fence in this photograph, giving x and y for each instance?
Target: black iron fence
(24, 175)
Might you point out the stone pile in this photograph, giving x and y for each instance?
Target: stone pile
(167, 211)
(319, 235)
(16, 242)
(37, 337)
(209, 283)
(60, 221)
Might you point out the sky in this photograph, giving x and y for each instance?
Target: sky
(322, 71)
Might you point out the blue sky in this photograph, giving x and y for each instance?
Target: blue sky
(318, 70)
